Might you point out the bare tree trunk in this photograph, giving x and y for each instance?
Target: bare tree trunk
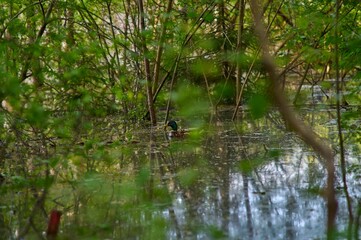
(146, 65)
(222, 28)
(239, 47)
(161, 44)
(293, 121)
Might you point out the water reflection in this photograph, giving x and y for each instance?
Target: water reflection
(280, 199)
(270, 202)
(250, 180)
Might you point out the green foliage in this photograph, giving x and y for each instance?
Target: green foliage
(63, 76)
(249, 165)
(191, 100)
(36, 115)
(205, 67)
(216, 233)
(224, 92)
(258, 105)
(187, 177)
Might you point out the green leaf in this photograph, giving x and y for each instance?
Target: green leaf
(259, 105)
(191, 100)
(247, 166)
(188, 176)
(36, 115)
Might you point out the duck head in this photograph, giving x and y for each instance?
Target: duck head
(173, 125)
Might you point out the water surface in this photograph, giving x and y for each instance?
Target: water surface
(249, 179)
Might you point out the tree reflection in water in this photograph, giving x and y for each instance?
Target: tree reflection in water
(249, 180)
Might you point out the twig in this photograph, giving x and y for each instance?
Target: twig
(292, 120)
(339, 127)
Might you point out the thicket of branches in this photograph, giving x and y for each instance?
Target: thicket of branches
(64, 62)
(101, 56)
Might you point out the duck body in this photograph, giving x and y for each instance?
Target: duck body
(175, 132)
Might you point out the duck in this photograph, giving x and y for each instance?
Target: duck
(175, 132)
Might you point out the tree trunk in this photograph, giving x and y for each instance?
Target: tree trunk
(160, 46)
(239, 47)
(146, 65)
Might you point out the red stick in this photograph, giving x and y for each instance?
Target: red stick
(53, 225)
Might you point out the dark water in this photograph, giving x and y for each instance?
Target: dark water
(227, 180)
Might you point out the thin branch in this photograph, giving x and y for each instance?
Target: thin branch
(23, 74)
(293, 121)
(338, 104)
(2, 32)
